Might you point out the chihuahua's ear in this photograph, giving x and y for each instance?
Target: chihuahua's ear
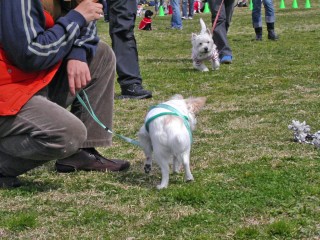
(176, 97)
(195, 104)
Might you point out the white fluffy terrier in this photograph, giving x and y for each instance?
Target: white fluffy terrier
(203, 48)
(167, 135)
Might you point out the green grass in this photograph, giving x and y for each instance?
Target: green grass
(251, 180)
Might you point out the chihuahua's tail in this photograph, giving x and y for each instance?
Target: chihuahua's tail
(203, 26)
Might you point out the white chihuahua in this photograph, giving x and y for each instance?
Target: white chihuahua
(167, 133)
(203, 48)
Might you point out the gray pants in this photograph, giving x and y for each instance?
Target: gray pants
(223, 23)
(44, 130)
(122, 16)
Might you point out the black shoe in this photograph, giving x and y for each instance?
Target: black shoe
(88, 159)
(135, 91)
(272, 35)
(9, 182)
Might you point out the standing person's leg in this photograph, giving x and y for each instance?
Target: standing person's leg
(270, 19)
(122, 16)
(221, 28)
(256, 19)
(184, 9)
(105, 10)
(229, 7)
(191, 9)
(176, 21)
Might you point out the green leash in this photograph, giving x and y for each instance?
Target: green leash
(173, 111)
(87, 106)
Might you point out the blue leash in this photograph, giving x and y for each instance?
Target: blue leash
(87, 106)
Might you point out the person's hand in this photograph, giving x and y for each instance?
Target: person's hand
(78, 75)
(90, 9)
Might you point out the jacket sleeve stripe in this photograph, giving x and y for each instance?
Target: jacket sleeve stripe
(44, 49)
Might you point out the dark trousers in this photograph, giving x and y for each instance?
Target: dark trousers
(105, 9)
(223, 23)
(45, 130)
(122, 16)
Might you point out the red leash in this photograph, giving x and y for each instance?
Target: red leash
(217, 16)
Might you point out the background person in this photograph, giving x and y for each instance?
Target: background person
(122, 17)
(187, 9)
(269, 18)
(176, 22)
(221, 29)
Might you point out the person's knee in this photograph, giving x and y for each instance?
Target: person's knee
(75, 136)
(66, 140)
(105, 52)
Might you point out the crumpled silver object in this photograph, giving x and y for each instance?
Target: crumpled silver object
(302, 133)
(316, 139)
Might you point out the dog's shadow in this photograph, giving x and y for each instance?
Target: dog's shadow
(33, 183)
(137, 177)
(185, 61)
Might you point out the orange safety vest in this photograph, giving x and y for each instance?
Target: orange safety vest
(17, 86)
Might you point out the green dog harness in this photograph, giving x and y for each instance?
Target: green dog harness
(173, 112)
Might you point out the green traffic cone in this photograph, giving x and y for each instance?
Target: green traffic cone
(282, 5)
(206, 8)
(294, 4)
(308, 5)
(161, 11)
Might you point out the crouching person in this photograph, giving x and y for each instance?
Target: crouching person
(56, 55)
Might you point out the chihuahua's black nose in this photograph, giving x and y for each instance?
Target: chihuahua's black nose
(206, 49)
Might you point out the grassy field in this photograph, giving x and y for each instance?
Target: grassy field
(251, 180)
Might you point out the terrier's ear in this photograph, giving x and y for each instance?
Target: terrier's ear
(195, 104)
(208, 31)
(193, 36)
